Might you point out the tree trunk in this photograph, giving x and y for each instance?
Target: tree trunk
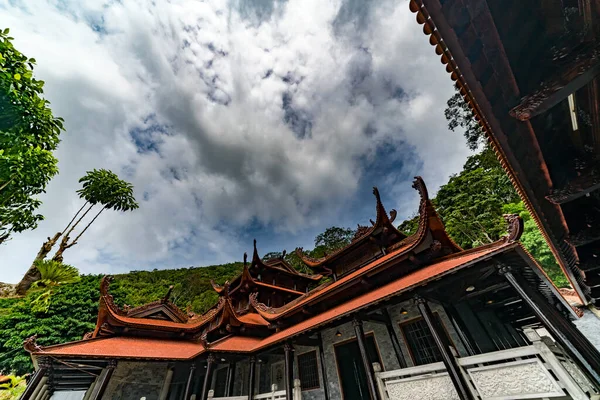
(64, 243)
(32, 273)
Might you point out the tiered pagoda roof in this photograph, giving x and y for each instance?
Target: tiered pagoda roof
(242, 322)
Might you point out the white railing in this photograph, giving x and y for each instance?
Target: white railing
(274, 394)
(530, 372)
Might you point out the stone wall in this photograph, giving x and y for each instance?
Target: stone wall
(132, 380)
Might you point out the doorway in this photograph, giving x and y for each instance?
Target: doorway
(353, 377)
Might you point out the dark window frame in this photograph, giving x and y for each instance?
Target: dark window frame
(316, 378)
(402, 326)
(218, 390)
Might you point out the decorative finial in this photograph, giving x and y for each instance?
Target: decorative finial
(372, 222)
(245, 258)
(168, 295)
(30, 344)
(283, 254)
(376, 193)
(255, 257)
(393, 214)
(419, 185)
(515, 227)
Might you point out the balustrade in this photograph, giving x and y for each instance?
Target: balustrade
(274, 394)
(538, 371)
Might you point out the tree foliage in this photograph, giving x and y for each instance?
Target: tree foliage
(460, 116)
(29, 133)
(471, 202)
(72, 311)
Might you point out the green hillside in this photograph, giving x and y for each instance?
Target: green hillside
(72, 308)
(471, 205)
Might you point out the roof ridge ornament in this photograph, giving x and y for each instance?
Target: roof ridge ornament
(168, 295)
(30, 344)
(515, 227)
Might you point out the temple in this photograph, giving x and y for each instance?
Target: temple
(529, 70)
(389, 316)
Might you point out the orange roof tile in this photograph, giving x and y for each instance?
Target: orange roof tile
(409, 281)
(253, 319)
(330, 286)
(125, 347)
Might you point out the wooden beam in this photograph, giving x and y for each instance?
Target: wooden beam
(374, 317)
(582, 65)
(307, 341)
(289, 370)
(251, 379)
(210, 365)
(393, 337)
(103, 380)
(323, 370)
(35, 381)
(581, 351)
(188, 385)
(585, 236)
(462, 390)
(479, 292)
(360, 338)
(582, 185)
(230, 379)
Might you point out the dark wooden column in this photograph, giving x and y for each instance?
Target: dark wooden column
(103, 380)
(188, 385)
(289, 370)
(44, 367)
(360, 338)
(323, 370)
(583, 353)
(230, 379)
(210, 365)
(251, 370)
(442, 343)
(393, 337)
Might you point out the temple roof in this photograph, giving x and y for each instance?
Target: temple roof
(414, 261)
(250, 275)
(127, 347)
(382, 222)
(112, 319)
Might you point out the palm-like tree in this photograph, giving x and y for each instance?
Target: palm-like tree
(102, 189)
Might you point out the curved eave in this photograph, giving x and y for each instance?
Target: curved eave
(435, 39)
(108, 315)
(382, 222)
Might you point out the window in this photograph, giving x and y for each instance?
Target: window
(420, 341)
(309, 371)
(220, 382)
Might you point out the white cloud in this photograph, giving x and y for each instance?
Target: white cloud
(227, 114)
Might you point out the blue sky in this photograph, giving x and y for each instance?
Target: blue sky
(234, 120)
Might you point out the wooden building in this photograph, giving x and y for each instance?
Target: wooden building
(389, 316)
(529, 71)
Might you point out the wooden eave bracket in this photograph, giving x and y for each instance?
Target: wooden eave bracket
(582, 66)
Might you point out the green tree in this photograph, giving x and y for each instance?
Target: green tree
(471, 202)
(460, 116)
(332, 239)
(102, 190)
(29, 133)
(13, 388)
(533, 240)
(52, 274)
(71, 313)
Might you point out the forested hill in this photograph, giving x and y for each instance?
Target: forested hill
(471, 205)
(70, 310)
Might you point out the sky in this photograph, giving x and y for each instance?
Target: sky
(234, 120)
